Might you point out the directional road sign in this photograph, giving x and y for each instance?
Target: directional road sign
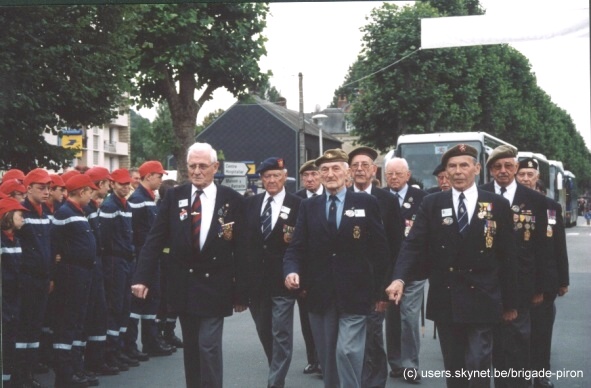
(235, 168)
(238, 183)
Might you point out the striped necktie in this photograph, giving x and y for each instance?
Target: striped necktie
(196, 220)
(462, 215)
(266, 219)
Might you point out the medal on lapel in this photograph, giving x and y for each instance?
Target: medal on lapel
(549, 231)
(356, 232)
(288, 233)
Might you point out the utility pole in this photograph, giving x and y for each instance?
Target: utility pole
(301, 135)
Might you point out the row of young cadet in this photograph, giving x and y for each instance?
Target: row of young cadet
(68, 250)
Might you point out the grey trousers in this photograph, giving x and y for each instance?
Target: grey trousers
(375, 364)
(202, 351)
(403, 337)
(340, 342)
(273, 318)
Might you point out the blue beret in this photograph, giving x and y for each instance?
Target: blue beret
(272, 163)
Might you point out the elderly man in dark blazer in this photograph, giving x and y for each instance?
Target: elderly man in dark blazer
(269, 223)
(363, 170)
(340, 253)
(200, 221)
(466, 236)
(530, 221)
(403, 340)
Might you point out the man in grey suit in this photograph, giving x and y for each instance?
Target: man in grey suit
(198, 221)
(340, 253)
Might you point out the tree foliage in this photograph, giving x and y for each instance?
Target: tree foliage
(60, 67)
(196, 48)
(480, 88)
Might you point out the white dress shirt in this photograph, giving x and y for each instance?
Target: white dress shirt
(276, 205)
(510, 193)
(471, 195)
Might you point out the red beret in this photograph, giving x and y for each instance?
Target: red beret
(80, 181)
(9, 204)
(56, 181)
(11, 185)
(69, 174)
(2, 195)
(98, 174)
(121, 175)
(14, 173)
(37, 175)
(151, 166)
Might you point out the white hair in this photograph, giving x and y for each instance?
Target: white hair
(202, 147)
(401, 160)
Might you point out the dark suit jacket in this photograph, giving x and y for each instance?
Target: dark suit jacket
(468, 282)
(262, 260)
(555, 254)
(347, 268)
(199, 283)
(302, 193)
(530, 253)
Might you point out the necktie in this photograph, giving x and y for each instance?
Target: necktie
(266, 219)
(462, 215)
(196, 220)
(399, 197)
(503, 191)
(314, 194)
(332, 214)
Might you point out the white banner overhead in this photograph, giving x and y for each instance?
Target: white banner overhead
(460, 31)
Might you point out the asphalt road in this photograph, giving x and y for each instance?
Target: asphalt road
(245, 363)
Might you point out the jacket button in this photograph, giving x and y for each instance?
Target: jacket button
(191, 270)
(334, 254)
(472, 287)
(449, 287)
(264, 247)
(443, 246)
(214, 258)
(451, 269)
(206, 275)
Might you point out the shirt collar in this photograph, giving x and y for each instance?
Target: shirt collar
(510, 188)
(277, 198)
(208, 191)
(340, 195)
(469, 192)
(367, 189)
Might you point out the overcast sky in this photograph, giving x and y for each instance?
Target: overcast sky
(321, 40)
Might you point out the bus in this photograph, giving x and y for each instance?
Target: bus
(423, 153)
(571, 197)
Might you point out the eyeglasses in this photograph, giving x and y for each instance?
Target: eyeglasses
(399, 174)
(363, 165)
(507, 166)
(201, 167)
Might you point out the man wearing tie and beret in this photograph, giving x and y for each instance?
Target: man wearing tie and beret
(530, 221)
(465, 235)
(199, 222)
(340, 253)
(270, 219)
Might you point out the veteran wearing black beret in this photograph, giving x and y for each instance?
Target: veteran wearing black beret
(338, 254)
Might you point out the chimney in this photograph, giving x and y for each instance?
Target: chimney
(282, 101)
(342, 101)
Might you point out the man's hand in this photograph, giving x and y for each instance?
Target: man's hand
(139, 290)
(509, 315)
(238, 308)
(292, 281)
(562, 290)
(380, 306)
(395, 290)
(537, 299)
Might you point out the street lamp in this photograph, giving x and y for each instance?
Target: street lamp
(318, 119)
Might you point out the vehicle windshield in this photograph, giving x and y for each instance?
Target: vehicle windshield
(422, 159)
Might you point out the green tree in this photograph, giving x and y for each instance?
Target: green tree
(197, 48)
(60, 67)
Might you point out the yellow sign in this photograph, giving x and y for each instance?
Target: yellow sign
(73, 142)
(251, 168)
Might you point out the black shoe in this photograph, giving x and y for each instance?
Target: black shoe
(160, 339)
(74, 381)
(91, 378)
(113, 362)
(172, 339)
(313, 367)
(395, 373)
(126, 360)
(104, 370)
(157, 349)
(412, 375)
(543, 382)
(136, 355)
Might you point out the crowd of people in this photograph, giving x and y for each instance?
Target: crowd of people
(352, 255)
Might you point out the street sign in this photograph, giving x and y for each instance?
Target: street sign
(235, 168)
(238, 183)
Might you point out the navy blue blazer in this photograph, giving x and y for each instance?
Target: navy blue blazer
(202, 283)
(469, 282)
(344, 269)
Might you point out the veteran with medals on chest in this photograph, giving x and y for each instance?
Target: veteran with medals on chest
(465, 238)
(270, 220)
(339, 254)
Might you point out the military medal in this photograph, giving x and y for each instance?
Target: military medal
(406, 205)
(515, 208)
(350, 213)
(489, 241)
(288, 233)
(551, 217)
(283, 216)
(519, 225)
(526, 235)
(356, 232)
(227, 231)
(183, 215)
(448, 221)
(549, 231)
